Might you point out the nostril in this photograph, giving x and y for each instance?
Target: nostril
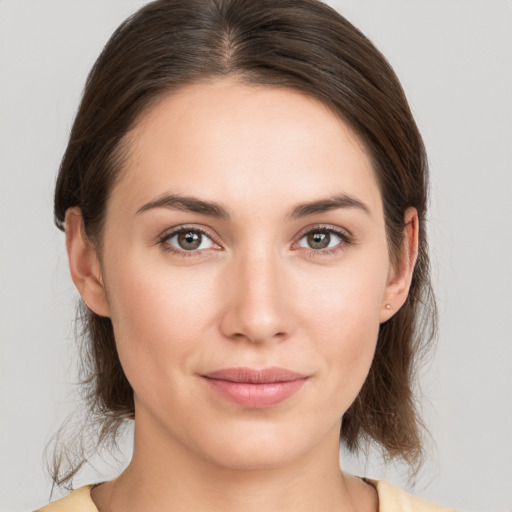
(255, 338)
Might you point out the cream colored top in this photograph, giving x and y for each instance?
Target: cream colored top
(391, 499)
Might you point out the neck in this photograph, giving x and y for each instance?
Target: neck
(166, 476)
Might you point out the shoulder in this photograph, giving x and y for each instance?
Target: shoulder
(77, 501)
(391, 499)
(394, 499)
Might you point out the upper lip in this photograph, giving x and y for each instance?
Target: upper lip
(255, 376)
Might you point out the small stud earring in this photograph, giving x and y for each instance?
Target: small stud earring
(388, 306)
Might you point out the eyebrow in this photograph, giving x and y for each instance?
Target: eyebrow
(186, 204)
(211, 209)
(325, 205)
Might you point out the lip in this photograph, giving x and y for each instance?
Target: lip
(255, 388)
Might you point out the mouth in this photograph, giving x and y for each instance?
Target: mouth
(255, 389)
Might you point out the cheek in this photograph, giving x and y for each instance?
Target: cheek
(346, 299)
(343, 319)
(159, 314)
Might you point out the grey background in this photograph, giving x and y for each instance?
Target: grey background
(454, 58)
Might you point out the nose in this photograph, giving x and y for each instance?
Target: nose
(257, 306)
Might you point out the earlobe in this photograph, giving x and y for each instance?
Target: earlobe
(84, 264)
(400, 275)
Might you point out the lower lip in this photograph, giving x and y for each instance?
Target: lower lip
(255, 396)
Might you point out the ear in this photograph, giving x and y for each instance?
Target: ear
(400, 272)
(84, 264)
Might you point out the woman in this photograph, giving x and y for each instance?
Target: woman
(244, 200)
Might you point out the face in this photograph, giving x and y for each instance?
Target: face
(246, 271)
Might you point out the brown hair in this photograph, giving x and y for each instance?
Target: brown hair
(299, 44)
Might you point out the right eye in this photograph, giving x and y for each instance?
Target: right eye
(187, 240)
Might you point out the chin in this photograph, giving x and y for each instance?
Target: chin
(253, 446)
(241, 457)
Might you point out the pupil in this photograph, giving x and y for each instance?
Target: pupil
(319, 240)
(189, 240)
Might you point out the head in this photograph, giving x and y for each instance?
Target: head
(256, 58)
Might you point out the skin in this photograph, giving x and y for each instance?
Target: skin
(254, 294)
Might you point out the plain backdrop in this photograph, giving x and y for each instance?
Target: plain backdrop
(454, 58)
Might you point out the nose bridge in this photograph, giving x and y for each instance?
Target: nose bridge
(257, 308)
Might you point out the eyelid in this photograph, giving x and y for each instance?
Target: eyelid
(337, 230)
(169, 233)
(344, 234)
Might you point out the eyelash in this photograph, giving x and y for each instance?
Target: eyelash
(345, 241)
(164, 239)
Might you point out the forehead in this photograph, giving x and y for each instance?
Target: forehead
(242, 142)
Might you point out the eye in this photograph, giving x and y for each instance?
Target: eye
(320, 239)
(188, 240)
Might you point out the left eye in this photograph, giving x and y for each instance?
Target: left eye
(320, 239)
(190, 240)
